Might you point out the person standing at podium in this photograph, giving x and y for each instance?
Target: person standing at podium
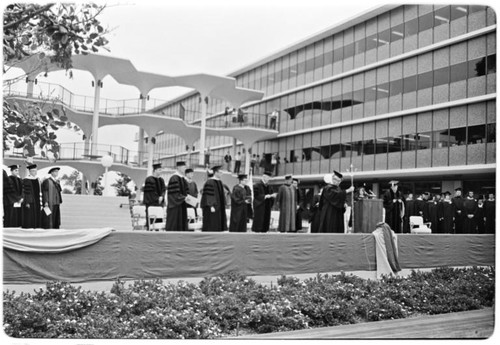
(394, 207)
(332, 204)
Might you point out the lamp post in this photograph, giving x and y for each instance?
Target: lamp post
(106, 162)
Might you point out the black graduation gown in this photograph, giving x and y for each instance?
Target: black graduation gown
(458, 203)
(420, 208)
(13, 190)
(433, 215)
(446, 214)
(470, 225)
(176, 205)
(249, 205)
(409, 211)
(213, 196)
(261, 207)
(489, 214)
(154, 188)
(393, 210)
(300, 209)
(238, 221)
(315, 214)
(332, 209)
(479, 216)
(32, 204)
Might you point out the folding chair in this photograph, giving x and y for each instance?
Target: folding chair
(156, 213)
(417, 225)
(194, 222)
(138, 217)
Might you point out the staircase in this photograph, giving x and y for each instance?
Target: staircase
(89, 211)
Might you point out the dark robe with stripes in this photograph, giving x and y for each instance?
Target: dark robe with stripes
(261, 207)
(154, 188)
(489, 214)
(332, 208)
(213, 196)
(51, 194)
(176, 205)
(287, 205)
(239, 209)
(32, 204)
(446, 211)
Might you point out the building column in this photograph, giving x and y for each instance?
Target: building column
(247, 160)
(95, 118)
(204, 105)
(31, 84)
(151, 151)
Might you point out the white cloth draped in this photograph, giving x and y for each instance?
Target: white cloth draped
(51, 240)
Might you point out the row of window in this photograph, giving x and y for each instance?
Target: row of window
(450, 74)
(439, 17)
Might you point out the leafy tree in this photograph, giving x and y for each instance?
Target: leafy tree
(53, 32)
(122, 185)
(74, 180)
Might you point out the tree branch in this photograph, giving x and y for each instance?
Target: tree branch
(29, 16)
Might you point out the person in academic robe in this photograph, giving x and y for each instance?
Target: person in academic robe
(458, 203)
(479, 216)
(470, 207)
(420, 206)
(287, 205)
(154, 191)
(314, 210)
(213, 203)
(393, 202)
(51, 199)
(239, 202)
(432, 206)
(263, 199)
(177, 191)
(192, 188)
(300, 204)
(249, 205)
(409, 212)
(446, 214)
(489, 214)
(32, 203)
(13, 198)
(332, 204)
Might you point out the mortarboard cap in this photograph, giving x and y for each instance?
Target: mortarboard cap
(288, 177)
(242, 176)
(447, 193)
(189, 170)
(296, 180)
(13, 167)
(336, 173)
(458, 189)
(54, 169)
(216, 168)
(156, 166)
(31, 166)
(393, 182)
(180, 164)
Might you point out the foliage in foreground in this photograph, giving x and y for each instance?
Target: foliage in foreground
(220, 305)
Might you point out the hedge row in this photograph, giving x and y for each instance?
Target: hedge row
(220, 305)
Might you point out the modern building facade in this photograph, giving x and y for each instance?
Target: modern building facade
(403, 92)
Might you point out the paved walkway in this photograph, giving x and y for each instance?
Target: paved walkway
(476, 324)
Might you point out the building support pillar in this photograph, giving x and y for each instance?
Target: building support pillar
(204, 105)
(95, 118)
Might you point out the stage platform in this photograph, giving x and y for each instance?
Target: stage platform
(145, 255)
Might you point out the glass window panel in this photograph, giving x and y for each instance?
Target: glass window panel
(409, 84)
(309, 65)
(382, 90)
(425, 80)
(441, 76)
(359, 46)
(396, 87)
(491, 63)
(476, 8)
(384, 37)
(424, 140)
(411, 27)
(371, 42)
(491, 132)
(408, 142)
(328, 58)
(338, 54)
(440, 138)
(458, 72)
(370, 94)
(358, 96)
(458, 11)
(348, 50)
(442, 16)
(393, 144)
(381, 145)
(397, 32)
(458, 136)
(476, 134)
(476, 67)
(426, 22)
(318, 61)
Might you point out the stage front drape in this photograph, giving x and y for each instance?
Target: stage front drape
(146, 255)
(51, 240)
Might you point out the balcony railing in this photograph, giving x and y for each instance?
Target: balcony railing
(77, 151)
